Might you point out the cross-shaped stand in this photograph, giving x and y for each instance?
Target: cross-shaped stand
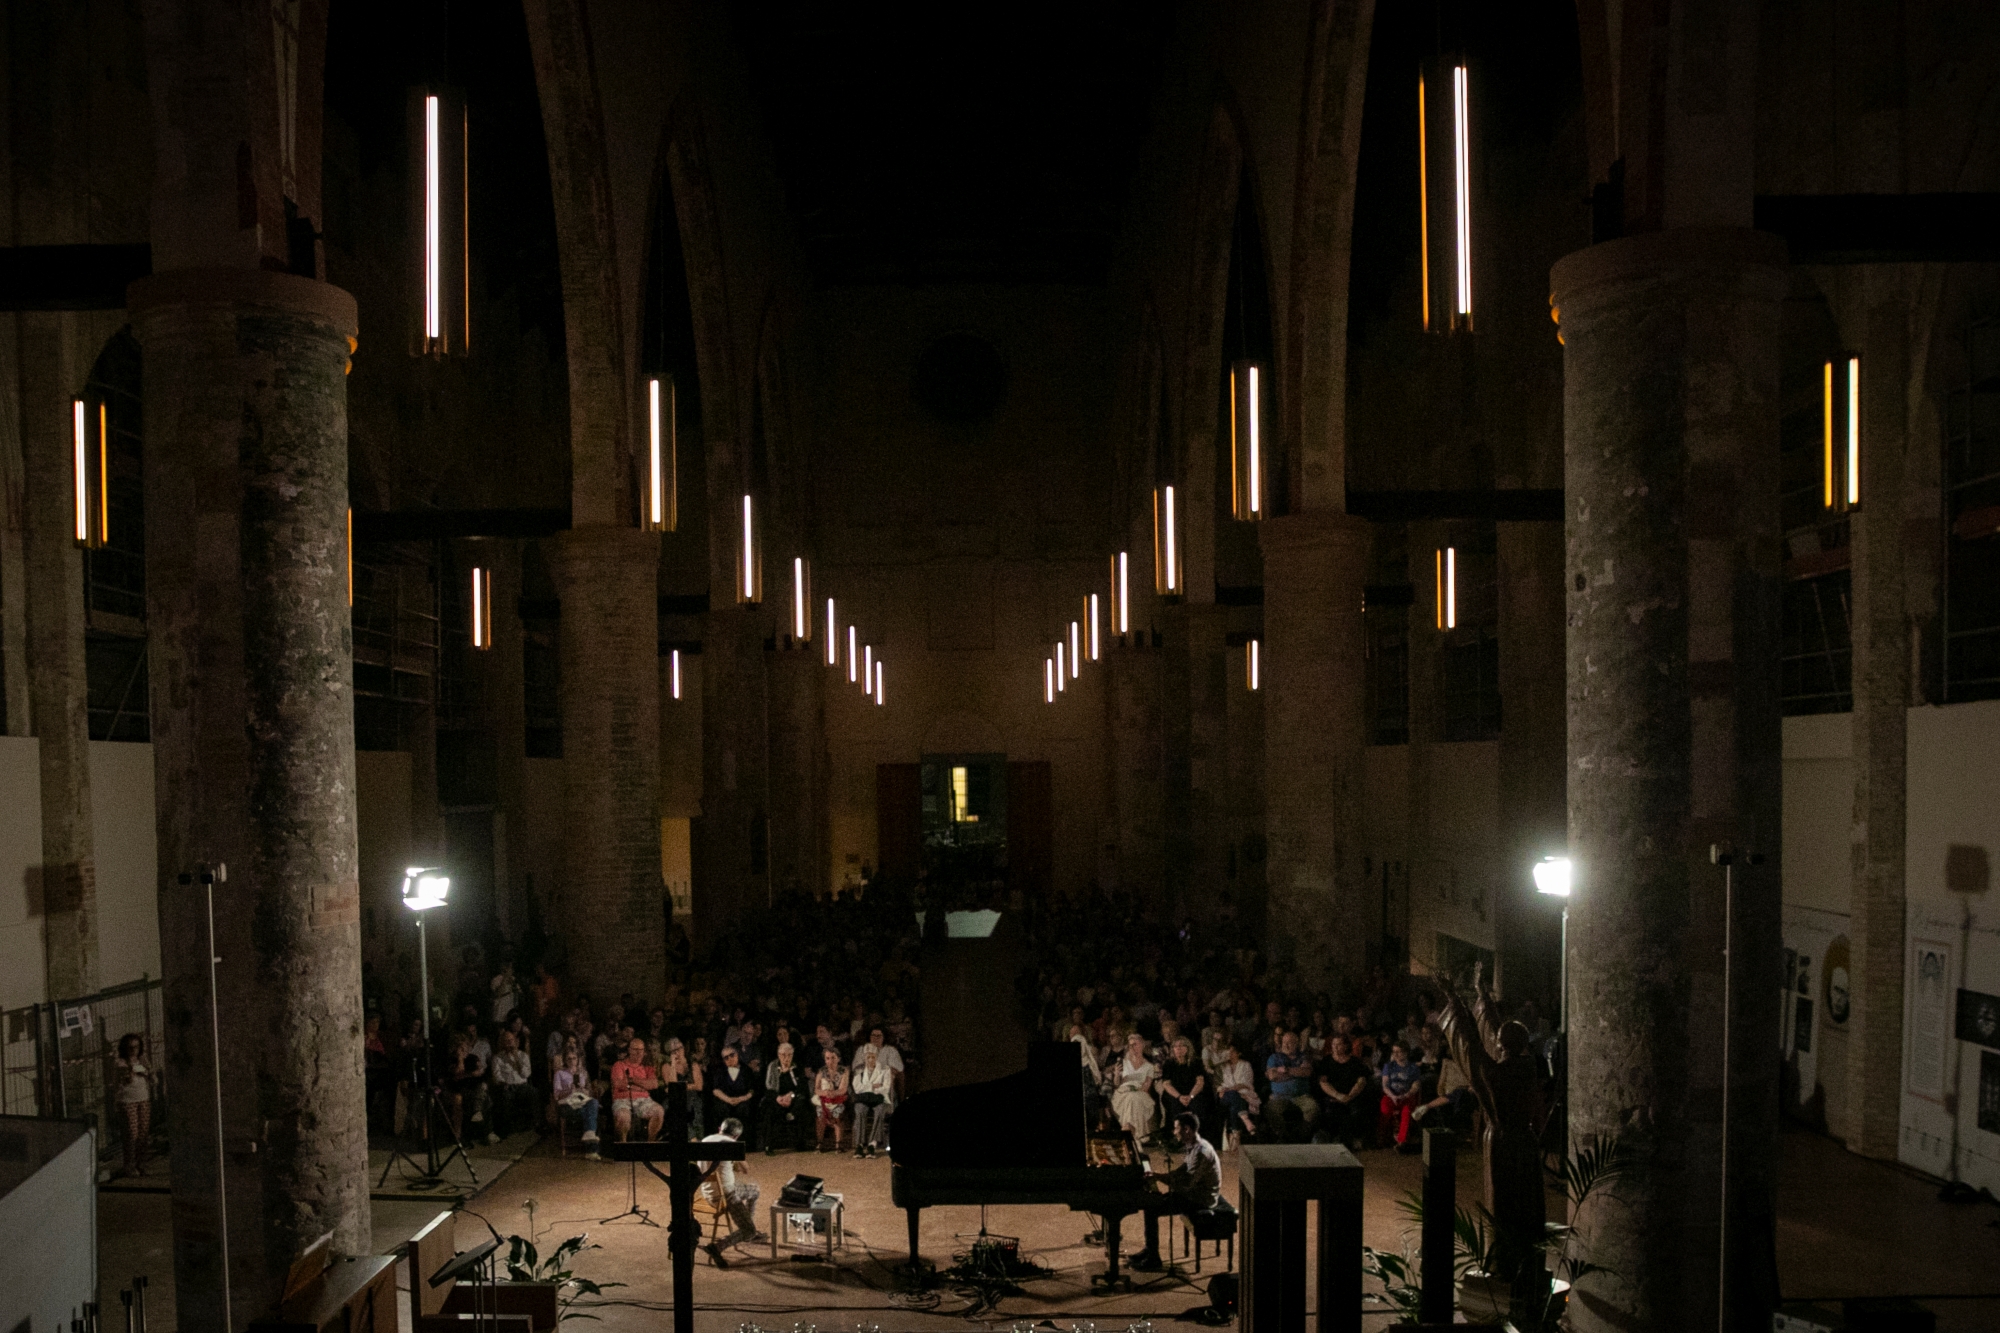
(681, 1156)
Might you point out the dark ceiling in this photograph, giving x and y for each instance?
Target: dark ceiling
(937, 143)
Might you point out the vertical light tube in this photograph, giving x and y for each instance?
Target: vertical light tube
(1423, 205)
(1075, 655)
(1121, 594)
(853, 655)
(1440, 587)
(676, 680)
(103, 473)
(878, 684)
(1246, 441)
(1451, 587)
(662, 504)
(1253, 665)
(482, 608)
(433, 224)
(80, 465)
(1826, 425)
(1090, 618)
(1463, 171)
(350, 556)
(1855, 433)
(1166, 543)
(802, 625)
(1173, 547)
(1048, 680)
(749, 569)
(868, 668)
(1256, 446)
(832, 637)
(1062, 669)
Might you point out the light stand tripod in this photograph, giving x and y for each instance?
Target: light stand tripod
(427, 1115)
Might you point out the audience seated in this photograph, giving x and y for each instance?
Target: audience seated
(1132, 1090)
(787, 1104)
(1347, 1115)
(873, 1090)
(829, 1099)
(732, 1092)
(516, 1104)
(1402, 1086)
(1289, 1075)
(633, 1083)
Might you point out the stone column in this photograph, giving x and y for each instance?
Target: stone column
(1670, 426)
(1315, 566)
(611, 895)
(1881, 716)
(798, 819)
(736, 786)
(1195, 750)
(1533, 809)
(58, 683)
(253, 743)
(1132, 717)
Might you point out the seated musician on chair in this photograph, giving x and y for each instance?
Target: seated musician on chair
(1195, 1186)
(632, 1085)
(738, 1196)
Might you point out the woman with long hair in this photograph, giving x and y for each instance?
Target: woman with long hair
(829, 1099)
(135, 1101)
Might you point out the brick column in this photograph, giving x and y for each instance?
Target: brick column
(611, 896)
(734, 863)
(58, 684)
(798, 818)
(1670, 412)
(253, 743)
(1321, 914)
(1533, 800)
(1132, 721)
(1881, 721)
(1195, 749)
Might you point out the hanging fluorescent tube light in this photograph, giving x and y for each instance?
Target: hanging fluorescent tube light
(1166, 543)
(832, 637)
(1253, 665)
(1853, 431)
(1447, 587)
(675, 682)
(868, 668)
(802, 623)
(1048, 680)
(88, 484)
(878, 684)
(438, 134)
(1423, 206)
(1121, 593)
(482, 607)
(1826, 433)
(350, 556)
(1062, 671)
(1090, 623)
(853, 655)
(1075, 651)
(662, 456)
(1246, 441)
(1462, 175)
(750, 560)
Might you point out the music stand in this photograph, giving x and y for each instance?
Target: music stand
(480, 1263)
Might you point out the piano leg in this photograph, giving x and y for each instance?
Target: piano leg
(911, 1214)
(1111, 1279)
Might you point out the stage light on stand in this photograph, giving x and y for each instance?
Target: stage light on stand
(749, 560)
(1166, 542)
(1246, 441)
(662, 456)
(425, 888)
(482, 607)
(1552, 876)
(1253, 666)
(802, 624)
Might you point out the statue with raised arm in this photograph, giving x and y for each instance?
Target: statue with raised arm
(1504, 1077)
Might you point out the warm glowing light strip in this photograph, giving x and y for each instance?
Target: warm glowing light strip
(801, 596)
(1826, 422)
(1121, 594)
(1451, 587)
(1440, 589)
(1256, 448)
(878, 684)
(1173, 550)
(1062, 671)
(1090, 618)
(1048, 680)
(482, 608)
(103, 473)
(658, 423)
(1253, 667)
(677, 673)
(433, 225)
(750, 589)
(853, 655)
(1075, 655)
(1423, 205)
(80, 445)
(832, 637)
(1464, 173)
(868, 668)
(1855, 433)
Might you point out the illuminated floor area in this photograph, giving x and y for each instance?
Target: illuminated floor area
(1847, 1227)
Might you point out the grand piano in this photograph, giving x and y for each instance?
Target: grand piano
(1019, 1139)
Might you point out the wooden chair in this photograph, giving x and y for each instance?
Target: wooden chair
(710, 1208)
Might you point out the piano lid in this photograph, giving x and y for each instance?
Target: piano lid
(1026, 1119)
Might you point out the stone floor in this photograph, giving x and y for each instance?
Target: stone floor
(1847, 1227)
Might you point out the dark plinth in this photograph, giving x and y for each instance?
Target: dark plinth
(1276, 1182)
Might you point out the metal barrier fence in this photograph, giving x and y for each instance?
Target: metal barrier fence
(58, 1059)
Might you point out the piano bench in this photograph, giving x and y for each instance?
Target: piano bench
(1217, 1224)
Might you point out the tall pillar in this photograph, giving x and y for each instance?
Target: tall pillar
(1132, 715)
(613, 897)
(58, 683)
(1670, 427)
(1315, 566)
(253, 745)
(798, 819)
(736, 786)
(1195, 749)
(1881, 717)
(1533, 803)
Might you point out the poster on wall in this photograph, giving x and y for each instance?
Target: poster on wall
(1813, 937)
(1989, 1091)
(1930, 1027)
(1979, 1019)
